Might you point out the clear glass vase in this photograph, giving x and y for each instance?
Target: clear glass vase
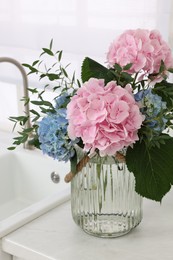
(103, 198)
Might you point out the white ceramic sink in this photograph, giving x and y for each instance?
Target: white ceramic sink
(26, 188)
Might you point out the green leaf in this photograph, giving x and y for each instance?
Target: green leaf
(45, 111)
(32, 69)
(79, 84)
(152, 168)
(41, 103)
(52, 76)
(26, 65)
(51, 43)
(11, 148)
(165, 90)
(92, 69)
(65, 73)
(31, 72)
(48, 51)
(42, 76)
(35, 142)
(60, 56)
(35, 62)
(170, 70)
(21, 119)
(115, 73)
(35, 119)
(162, 67)
(28, 130)
(35, 112)
(33, 90)
(117, 67)
(26, 100)
(21, 139)
(126, 76)
(56, 87)
(128, 66)
(73, 78)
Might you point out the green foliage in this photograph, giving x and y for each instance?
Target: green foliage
(92, 69)
(56, 73)
(34, 142)
(58, 80)
(42, 103)
(165, 90)
(118, 68)
(152, 168)
(128, 66)
(48, 51)
(21, 119)
(162, 67)
(31, 68)
(22, 138)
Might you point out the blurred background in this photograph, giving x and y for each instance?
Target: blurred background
(79, 27)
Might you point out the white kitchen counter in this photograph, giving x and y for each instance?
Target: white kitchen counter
(54, 236)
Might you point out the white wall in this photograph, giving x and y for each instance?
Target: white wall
(79, 27)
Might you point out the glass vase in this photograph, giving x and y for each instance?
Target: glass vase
(103, 198)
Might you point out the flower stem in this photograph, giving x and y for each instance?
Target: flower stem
(119, 157)
(79, 167)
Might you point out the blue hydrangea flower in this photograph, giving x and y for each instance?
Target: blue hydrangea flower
(140, 95)
(153, 110)
(52, 132)
(62, 100)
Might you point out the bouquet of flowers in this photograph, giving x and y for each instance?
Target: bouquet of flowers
(122, 109)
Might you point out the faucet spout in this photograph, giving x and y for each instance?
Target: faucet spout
(25, 87)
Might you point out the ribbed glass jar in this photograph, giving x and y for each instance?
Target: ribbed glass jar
(103, 198)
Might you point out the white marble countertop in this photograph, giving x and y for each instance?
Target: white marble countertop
(54, 236)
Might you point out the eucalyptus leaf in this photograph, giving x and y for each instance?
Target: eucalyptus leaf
(35, 119)
(51, 43)
(41, 103)
(65, 73)
(42, 76)
(34, 112)
(11, 148)
(79, 84)
(60, 56)
(52, 76)
(33, 90)
(28, 130)
(32, 69)
(35, 62)
(48, 51)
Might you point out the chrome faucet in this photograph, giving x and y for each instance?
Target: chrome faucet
(25, 88)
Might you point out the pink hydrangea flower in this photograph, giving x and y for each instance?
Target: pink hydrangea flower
(106, 118)
(143, 48)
